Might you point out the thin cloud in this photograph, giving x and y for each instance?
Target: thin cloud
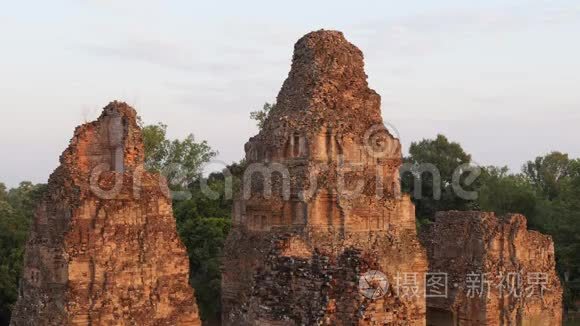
(421, 34)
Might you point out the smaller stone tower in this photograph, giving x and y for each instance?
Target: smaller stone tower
(103, 249)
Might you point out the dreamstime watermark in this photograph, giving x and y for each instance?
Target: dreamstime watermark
(379, 165)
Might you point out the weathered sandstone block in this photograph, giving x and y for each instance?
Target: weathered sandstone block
(103, 249)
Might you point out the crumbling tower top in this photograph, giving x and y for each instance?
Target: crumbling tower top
(111, 143)
(326, 87)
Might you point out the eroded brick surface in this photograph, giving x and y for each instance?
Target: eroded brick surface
(103, 249)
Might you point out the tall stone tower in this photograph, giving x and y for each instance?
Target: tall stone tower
(103, 249)
(320, 211)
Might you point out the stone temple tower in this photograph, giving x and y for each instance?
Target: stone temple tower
(320, 208)
(103, 247)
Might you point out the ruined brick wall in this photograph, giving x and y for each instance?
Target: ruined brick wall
(103, 249)
(321, 203)
(499, 272)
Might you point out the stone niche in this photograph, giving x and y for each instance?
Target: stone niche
(499, 273)
(321, 204)
(103, 248)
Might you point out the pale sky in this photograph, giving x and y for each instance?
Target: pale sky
(500, 77)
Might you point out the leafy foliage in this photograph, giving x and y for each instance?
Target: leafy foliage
(503, 192)
(203, 223)
(181, 161)
(16, 211)
(261, 115)
(446, 157)
(547, 172)
(204, 237)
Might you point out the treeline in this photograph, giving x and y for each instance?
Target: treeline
(546, 191)
(16, 211)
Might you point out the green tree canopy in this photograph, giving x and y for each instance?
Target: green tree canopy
(444, 154)
(16, 212)
(548, 172)
(204, 237)
(181, 161)
(446, 157)
(503, 192)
